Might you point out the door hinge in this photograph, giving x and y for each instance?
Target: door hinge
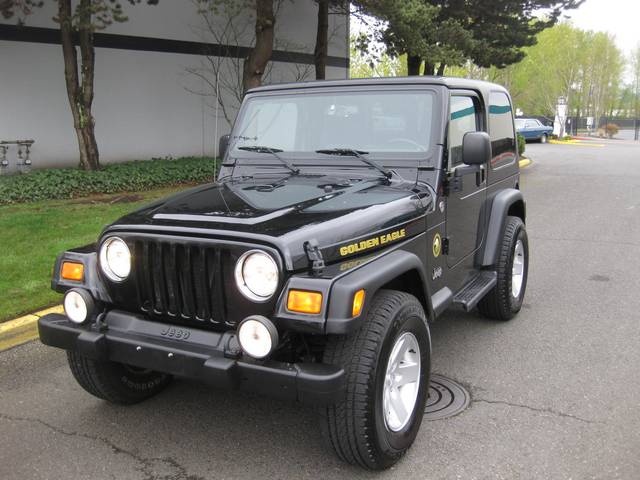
(452, 184)
(315, 256)
(445, 246)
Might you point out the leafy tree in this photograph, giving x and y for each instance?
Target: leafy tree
(448, 32)
(550, 69)
(584, 67)
(77, 25)
(599, 80)
(365, 65)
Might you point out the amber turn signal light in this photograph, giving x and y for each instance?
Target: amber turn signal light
(302, 301)
(72, 271)
(358, 303)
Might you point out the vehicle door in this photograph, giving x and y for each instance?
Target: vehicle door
(533, 129)
(466, 192)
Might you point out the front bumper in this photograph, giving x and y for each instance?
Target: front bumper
(210, 357)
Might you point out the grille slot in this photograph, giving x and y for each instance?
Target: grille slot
(180, 282)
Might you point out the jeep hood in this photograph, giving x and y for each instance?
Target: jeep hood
(289, 209)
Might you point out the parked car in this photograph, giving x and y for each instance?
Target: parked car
(533, 129)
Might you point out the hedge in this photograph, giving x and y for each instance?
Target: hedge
(522, 144)
(63, 183)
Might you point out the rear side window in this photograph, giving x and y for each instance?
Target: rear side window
(464, 118)
(503, 142)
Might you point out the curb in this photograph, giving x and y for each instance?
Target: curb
(576, 143)
(525, 162)
(23, 329)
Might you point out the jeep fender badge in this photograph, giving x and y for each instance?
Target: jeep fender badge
(437, 245)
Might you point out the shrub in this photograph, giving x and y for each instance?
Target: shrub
(611, 129)
(521, 144)
(62, 183)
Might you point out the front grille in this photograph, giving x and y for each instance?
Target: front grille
(180, 282)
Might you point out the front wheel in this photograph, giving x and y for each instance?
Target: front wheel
(505, 299)
(544, 138)
(387, 368)
(116, 382)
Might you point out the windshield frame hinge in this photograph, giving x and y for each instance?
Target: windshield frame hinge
(314, 254)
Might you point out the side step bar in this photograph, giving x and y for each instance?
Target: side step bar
(477, 288)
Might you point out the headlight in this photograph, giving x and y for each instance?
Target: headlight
(115, 259)
(257, 275)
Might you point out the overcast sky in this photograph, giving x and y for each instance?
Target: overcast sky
(619, 17)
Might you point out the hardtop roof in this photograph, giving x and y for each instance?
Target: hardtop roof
(449, 82)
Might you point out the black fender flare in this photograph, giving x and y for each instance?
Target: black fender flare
(507, 202)
(371, 277)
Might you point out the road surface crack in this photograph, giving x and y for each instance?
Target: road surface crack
(535, 409)
(148, 465)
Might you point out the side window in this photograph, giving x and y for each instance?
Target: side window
(464, 118)
(531, 124)
(503, 142)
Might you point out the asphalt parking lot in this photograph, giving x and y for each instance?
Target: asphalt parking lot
(555, 393)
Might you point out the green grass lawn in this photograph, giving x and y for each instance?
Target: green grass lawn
(33, 234)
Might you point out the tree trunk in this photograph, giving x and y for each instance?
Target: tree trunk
(322, 39)
(413, 65)
(441, 69)
(80, 94)
(429, 68)
(256, 62)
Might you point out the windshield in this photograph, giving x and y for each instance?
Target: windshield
(519, 124)
(378, 123)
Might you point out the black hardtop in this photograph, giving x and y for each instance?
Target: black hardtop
(448, 82)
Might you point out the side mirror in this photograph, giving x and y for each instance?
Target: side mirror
(223, 144)
(476, 148)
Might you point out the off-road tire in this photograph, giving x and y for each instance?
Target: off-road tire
(354, 426)
(499, 303)
(115, 382)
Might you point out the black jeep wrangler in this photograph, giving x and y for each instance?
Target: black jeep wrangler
(346, 216)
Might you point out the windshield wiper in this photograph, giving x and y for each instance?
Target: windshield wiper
(271, 151)
(359, 154)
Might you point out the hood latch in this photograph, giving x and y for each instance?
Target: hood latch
(315, 256)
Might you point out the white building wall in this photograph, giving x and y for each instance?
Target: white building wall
(142, 105)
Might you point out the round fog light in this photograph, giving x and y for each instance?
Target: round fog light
(78, 305)
(258, 336)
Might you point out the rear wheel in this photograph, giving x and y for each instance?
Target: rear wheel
(116, 382)
(387, 367)
(504, 301)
